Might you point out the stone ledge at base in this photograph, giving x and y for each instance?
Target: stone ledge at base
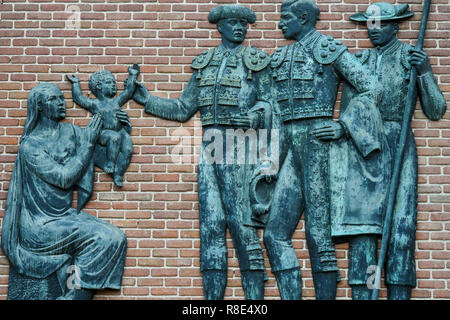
(26, 288)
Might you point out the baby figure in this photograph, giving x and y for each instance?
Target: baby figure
(116, 149)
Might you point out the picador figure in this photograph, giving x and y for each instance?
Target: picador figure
(391, 62)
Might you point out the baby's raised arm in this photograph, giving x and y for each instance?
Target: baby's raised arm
(130, 85)
(77, 95)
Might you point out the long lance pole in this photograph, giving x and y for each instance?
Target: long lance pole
(407, 116)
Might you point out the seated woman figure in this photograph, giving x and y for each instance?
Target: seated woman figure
(42, 233)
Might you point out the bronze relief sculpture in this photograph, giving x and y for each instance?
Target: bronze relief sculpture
(338, 173)
(114, 148)
(230, 87)
(391, 61)
(42, 235)
(306, 77)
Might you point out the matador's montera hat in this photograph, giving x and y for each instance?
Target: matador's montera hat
(227, 11)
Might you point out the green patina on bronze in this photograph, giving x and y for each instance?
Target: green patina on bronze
(230, 87)
(306, 77)
(46, 240)
(359, 196)
(335, 172)
(114, 148)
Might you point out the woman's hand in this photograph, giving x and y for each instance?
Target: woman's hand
(123, 118)
(92, 130)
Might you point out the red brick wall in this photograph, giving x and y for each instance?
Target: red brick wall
(157, 207)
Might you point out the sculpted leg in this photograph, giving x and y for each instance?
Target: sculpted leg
(362, 255)
(97, 253)
(361, 292)
(253, 284)
(104, 246)
(251, 260)
(111, 139)
(325, 285)
(213, 250)
(400, 263)
(124, 157)
(284, 215)
(289, 283)
(317, 219)
(399, 292)
(234, 191)
(214, 284)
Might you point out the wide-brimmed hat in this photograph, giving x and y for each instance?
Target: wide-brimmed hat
(383, 11)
